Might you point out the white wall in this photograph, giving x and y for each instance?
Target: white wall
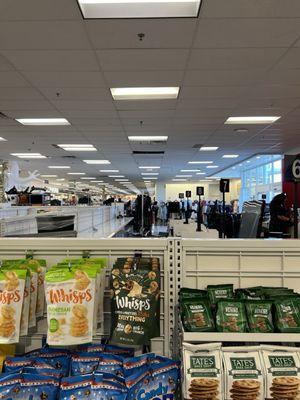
(211, 190)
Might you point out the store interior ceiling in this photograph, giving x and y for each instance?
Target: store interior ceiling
(237, 58)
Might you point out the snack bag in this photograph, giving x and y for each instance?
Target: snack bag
(254, 293)
(137, 383)
(282, 372)
(70, 300)
(10, 386)
(186, 293)
(134, 365)
(135, 313)
(202, 371)
(287, 315)
(111, 364)
(36, 387)
(24, 325)
(196, 315)
(84, 363)
(40, 267)
(217, 292)
(231, 316)
(259, 314)
(165, 380)
(16, 364)
(12, 283)
(243, 373)
(76, 388)
(107, 390)
(119, 351)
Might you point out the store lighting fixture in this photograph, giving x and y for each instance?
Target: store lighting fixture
(28, 155)
(179, 180)
(139, 8)
(258, 157)
(208, 148)
(109, 170)
(148, 178)
(189, 170)
(149, 167)
(121, 180)
(59, 167)
(247, 162)
(145, 93)
(149, 173)
(43, 121)
(49, 176)
(96, 162)
(60, 179)
(116, 176)
(200, 162)
(212, 166)
(201, 173)
(230, 156)
(76, 173)
(147, 138)
(77, 147)
(252, 120)
(2, 139)
(184, 176)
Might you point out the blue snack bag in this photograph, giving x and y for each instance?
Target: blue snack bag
(135, 383)
(58, 361)
(36, 387)
(106, 376)
(76, 388)
(16, 364)
(164, 381)
(110, 363)
(91, 348)
(137, 364)
(119, 351)
(10, 386)
(106, 390)
(84, 363)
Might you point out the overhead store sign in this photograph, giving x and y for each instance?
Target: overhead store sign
(292, 168)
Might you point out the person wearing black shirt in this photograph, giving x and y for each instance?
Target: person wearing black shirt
(280, 214)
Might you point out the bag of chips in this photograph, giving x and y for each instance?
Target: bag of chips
(111, 364)
(10, 386)
(231, 316)
(84, 363)
(218, 292)
(107, 390)
(76, 387)
(259, 314)
(36, 387)
(196, 315)
(70, 296)
(287, 315)
(186, 293)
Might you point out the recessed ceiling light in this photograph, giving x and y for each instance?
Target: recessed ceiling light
(76, 173)
(122, 180)
(139, 8)
(149, 167)
(49, 176)
(109, 170)
(97, 181)
(178, 180)
(116, 176)
(145, 93)
(43, 121)
(59, 167)
(184, 176)
(201, 173)
(148, 178)
(96, 162)
(147, 138)
(258, 157)
(208, 148)
(77, 147)
(2, 139)
(28, 155)
(230, 156)
(241, 130)
(247, 161)
(149, 173)
(209, 180)
(200, 162)
(252, 120)
(212, 166)
(189, 170)
(240, 165)
(60, 179)
(88, 178)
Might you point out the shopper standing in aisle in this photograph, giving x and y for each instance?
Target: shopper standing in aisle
(187, 209)
(281, 218)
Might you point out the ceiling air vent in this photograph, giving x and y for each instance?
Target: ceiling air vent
(148, 152)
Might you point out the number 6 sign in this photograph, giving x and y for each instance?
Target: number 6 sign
(296, 169)
(292, 168)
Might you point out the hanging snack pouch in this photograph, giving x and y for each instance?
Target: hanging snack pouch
(202, 371)
(135, 313)
(243, 373)
(107, 390)
(40, 267)
(137, 383)
(165, 380)
(70, 306)
(12, 283)
(259, 314)
(76, 388)
(287, 315)
(218, 292)
(134, 365)
(111, 364)
(10, 386)
(91, 348)
(36, 387)
(231, 316)
(282, 372)
(196, 315)
(84, 363)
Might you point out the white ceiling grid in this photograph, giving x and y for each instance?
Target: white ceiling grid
(240, 57)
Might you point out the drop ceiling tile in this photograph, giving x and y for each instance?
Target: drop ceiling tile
(101, 122)
(140, 114)
(84, 113)
(274, 91)
(250, 9)
(19, 93)
(131, 60)
(208, 103)
(5, 65)
(159, 33)
(197, 112)
(38, 10)
(65, 79)
(143, 78)
(291, 59)
(82, 105)
(12, 79)
(146, 105)
(25, 105)
(206, 92)
(283, 76)
(77, 94)
(44, 35)
(32, 112)
(227, 33)
(52, 60)
(234, 58)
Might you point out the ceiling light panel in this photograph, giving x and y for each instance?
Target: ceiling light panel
(49, 176)
(200, 162)
(116, 176)
(2, 139)
(149, 173)
(184, 176)
(230, 156)
(145, 93)
(252, 120)
(43, 121)
(77, 147)
(59, 167)
(28, 155)
(189, 170)
(147, 138)
(87, 178)
(207, 148)
(76, 173)
(212, 166)
(109, 170)
(149, 167)
(178, 180)
(96, 162)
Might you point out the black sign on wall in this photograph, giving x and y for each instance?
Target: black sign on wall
(292, 168)
(200, 191)
(188, 193)
(181, 195)
(224, 185)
